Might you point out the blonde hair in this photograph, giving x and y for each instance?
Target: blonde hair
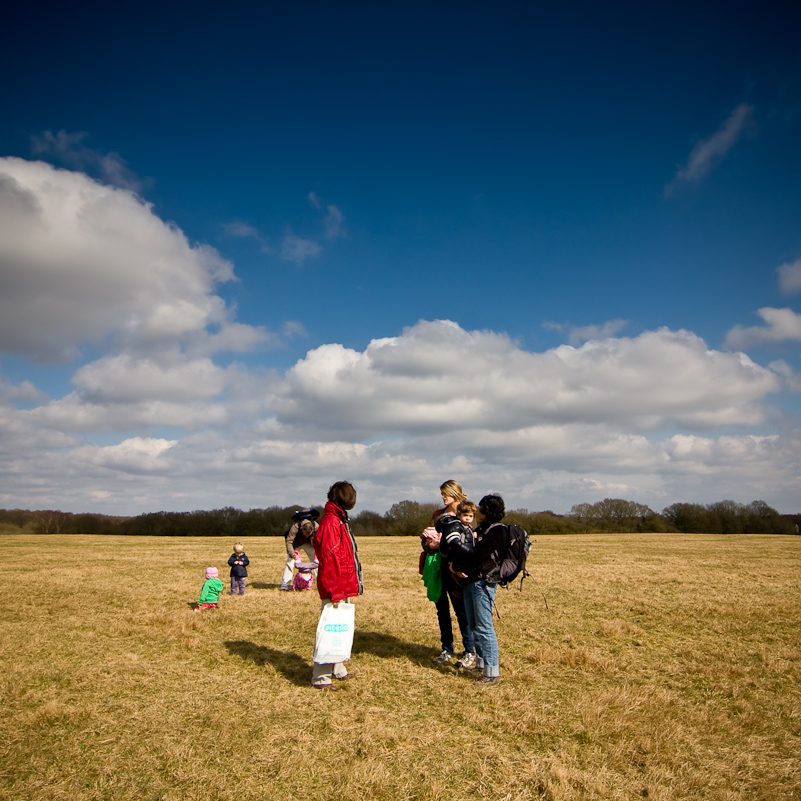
(238, 547)
(453, 489)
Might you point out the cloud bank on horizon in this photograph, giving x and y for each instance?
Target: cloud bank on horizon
(161, 415)
(524, 246)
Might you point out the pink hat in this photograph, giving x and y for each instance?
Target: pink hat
(211, 572)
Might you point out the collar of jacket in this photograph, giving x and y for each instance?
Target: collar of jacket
(334, 509)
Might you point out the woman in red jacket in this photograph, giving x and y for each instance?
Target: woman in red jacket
(339, 575)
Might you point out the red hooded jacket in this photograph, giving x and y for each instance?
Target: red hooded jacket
(338, 576)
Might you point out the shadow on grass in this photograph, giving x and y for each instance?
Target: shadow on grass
(291, 665)
(261, 585)
(389, 647)
(298, 670)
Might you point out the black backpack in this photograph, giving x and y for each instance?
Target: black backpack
(508, 561)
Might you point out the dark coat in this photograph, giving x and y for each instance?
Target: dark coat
(239, 571)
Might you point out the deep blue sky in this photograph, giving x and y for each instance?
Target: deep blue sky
(561, 176)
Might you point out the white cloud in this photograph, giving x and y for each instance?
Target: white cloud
(790, 277)
(708, 152)
(81, 262)
(652, 417)
(74, 413)
(135, 455)
(125, 378)
(418, 383)
(578, 334)
(781, 325)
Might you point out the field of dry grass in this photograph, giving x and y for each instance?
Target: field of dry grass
(634, 666)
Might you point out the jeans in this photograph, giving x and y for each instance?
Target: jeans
(479, 599)
(237, 583)
(443, 605)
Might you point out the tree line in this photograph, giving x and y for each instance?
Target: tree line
(409, 518)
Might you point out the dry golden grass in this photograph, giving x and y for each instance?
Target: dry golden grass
(635, 666)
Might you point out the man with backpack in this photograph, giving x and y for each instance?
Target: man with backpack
(299, 538)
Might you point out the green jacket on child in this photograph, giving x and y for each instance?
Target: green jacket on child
(210, 593)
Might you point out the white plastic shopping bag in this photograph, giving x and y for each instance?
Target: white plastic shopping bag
(334, 634)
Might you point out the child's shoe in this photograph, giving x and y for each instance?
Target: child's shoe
(466, 661)
(443, 658)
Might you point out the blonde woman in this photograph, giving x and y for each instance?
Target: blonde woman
(451, 595)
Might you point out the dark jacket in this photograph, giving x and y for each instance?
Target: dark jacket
(487, 541)
(239, 571)
(456, 539)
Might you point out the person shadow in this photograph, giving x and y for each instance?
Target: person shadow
(292, 666)
(388, 646)
(297, 669)
(262, 585)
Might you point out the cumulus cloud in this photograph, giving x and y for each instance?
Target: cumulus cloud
(578, 334)
(647, 417)
(81, 261)
(403, 385)
(781, 325)
(709, 152)
(790, 277)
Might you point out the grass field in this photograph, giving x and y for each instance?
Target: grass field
(634, 666)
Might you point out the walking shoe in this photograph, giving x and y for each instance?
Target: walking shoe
(466, 661)
(489, 681)
(443, 658)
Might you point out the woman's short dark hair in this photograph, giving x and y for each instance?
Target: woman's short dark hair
(343, 494)
(492, 508)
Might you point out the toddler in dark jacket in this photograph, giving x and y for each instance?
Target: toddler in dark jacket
(239, 569)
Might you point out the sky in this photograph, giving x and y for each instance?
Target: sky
(547, 250)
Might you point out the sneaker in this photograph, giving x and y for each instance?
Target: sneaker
(489, 681)
(443, 658)
(466, 661)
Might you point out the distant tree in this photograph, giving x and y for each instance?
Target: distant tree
(613, 514)
(689, 518)
(763, 519)
(542, 522)
(50, 521)
(793, 522)
(727, 517)
(17, 517)
(369, 524)
(408, 518)
(585, 516)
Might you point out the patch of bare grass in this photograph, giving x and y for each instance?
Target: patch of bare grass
(657, 667)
